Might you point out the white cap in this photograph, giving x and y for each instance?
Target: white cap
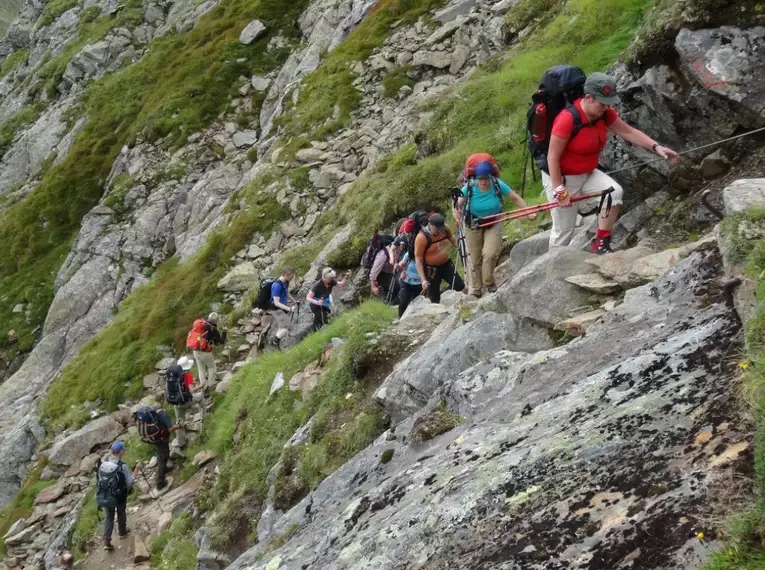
(329, 273)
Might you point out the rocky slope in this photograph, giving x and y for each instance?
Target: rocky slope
(162, 200)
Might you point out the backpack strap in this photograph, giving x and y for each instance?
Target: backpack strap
(576, 115)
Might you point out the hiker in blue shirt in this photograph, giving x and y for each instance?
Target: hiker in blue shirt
(410, 285)
(482, 197)
(280, 291)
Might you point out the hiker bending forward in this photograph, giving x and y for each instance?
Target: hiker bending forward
(572, 160)
(320, 297)
(482, 197)
(431, 254)
(115, 481)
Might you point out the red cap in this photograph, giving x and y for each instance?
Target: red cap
(407, 227)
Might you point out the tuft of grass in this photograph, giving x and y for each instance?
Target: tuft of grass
(54, 8)
(396, 79)
(261, 425)
(434, 423)
(744, 236)
(119, 189)
(23, 503)
(86, 527)
(20, 119)
(160, 312)
(175, 548)
(13, 60)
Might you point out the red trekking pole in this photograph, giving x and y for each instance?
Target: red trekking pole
(488, 221)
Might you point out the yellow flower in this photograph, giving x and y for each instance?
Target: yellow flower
(743, 365)
(700, 535)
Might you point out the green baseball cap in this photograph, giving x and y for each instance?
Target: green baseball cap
(602, 87)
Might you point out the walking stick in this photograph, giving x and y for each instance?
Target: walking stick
(488, 221)
(151, 491)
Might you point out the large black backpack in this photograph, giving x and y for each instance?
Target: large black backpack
(176, 391)
(377, 242)
(559, 87)
(264, 293)
(150, 428)
(112, 485)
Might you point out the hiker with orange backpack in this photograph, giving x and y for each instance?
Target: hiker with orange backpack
(202, 338)
(480, 197)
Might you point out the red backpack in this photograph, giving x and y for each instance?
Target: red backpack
(473, 161)
(197, 337)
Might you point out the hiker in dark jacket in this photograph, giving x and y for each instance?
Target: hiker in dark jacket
(160, 443)
(114, 461)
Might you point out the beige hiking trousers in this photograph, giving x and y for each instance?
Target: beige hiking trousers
(564, 219)
(484, 246)
(206, 367)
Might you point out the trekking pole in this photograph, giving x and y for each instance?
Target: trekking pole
(525, 163)
(488, 221)
(151, 491)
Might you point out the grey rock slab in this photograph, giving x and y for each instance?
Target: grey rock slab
(454, 9)
(539, 292)
(595, 283)
(240, 278)
(73, 448)
(527, 250)
(450, 351)
(556, 456)
(446, 30)
(741, 195)
(245, 138)
(437, 59)
(252, 32)
(260, 83)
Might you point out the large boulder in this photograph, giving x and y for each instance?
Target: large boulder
(741, 195)
(252, 32)
(539, 292)
(450, 351)
(74, 447)
(240, 278)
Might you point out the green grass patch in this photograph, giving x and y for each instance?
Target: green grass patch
(328, 95)
(488, 115)
(261, 425)
(121, 185)
(301, 257)
(744, 538)
(23, 503)
(20, 119)
(396, 79)
(54, 8)
(160, 312)
(13, 60)
(175, 549)
(86, 527)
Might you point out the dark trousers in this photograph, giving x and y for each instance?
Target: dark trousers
(406, 293)
(389, 287)
(162, 449)
(109, 512)
(446, 272)
(320, 316)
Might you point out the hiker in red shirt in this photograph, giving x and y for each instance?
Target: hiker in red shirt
(573, 162)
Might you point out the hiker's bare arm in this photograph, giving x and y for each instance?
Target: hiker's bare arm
(280, 305)
(311, 298)
(521, 204)
(639, 138)
(554, 154)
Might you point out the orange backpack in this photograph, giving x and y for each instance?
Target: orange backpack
(473, 161)
(197, 337)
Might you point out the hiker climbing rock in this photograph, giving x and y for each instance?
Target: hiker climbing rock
(431, 254)
(115, 482)
(202, 338)
(569, 128)
(179, 392)
(482, 196)
(154, 427)
(320, 296)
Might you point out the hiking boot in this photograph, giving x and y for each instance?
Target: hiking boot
(601, 245)
(476, 295)
(124, 534)
(108, 546)
(491, 289)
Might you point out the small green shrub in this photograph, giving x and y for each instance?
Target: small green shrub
(175, 548)
(396, 79)
(13, 60)
(54, 8)
(20, 119)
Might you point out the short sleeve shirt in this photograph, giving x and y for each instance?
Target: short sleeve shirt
(583, 151)
(322, 291)
(279, 291)
(486, 203)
